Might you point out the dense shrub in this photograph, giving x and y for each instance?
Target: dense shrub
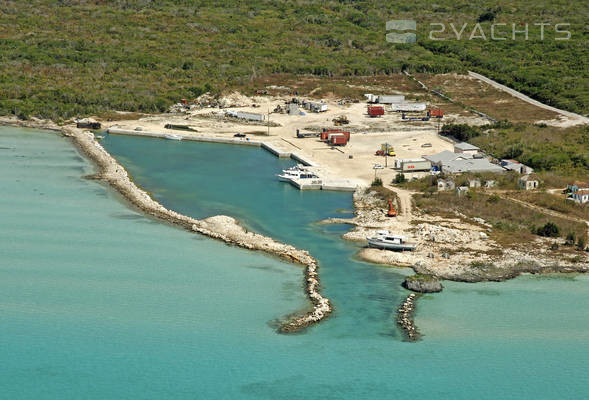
(550, 229)
(376, 182)
(462, 132)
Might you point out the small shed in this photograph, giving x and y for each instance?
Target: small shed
(474, 183)
(528, 182)
(467, 148)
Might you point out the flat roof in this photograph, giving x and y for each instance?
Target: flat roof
(472, 165)
(465, 146)
(445, 156)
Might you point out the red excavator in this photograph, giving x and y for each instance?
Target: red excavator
(392, 212)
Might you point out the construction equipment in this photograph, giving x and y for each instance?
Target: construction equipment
(341, 120)
(392, 212)
(386, 150)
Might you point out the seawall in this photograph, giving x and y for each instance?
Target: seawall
(266, 145)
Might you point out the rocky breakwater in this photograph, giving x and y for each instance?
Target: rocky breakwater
(219, 227)
(405, 318)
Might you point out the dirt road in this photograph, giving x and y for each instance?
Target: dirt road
(578, 119)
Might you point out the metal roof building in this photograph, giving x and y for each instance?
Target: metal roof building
(446, 156)
(471, 165)
(464, 147)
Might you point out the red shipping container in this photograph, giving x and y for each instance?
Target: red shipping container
(375, 111)
(436, 112)
(338, 140)
(326, 132)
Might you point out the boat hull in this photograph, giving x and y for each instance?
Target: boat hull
(379, 244)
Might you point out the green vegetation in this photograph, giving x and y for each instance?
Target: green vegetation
(421, 278)
(544, 148)
(550, 229)
(400, 178)
(461, 132)
(60, 59)
(376, 182)
(554, 202)
(512, 223)
(564, 151)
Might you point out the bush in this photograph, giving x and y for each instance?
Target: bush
(488, 15)
(400, 178)
(376, 182)
(550, 229)
(461, 132)
(581, 243)
(570, 239)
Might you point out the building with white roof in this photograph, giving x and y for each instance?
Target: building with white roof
(467, 148)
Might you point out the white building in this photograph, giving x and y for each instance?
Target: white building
(474, 183)
(579, 192)
(466, 148)
(516, 166)
(528, 182)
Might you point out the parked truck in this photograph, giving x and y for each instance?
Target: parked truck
(408, 107)
(415, 165)
(391, 99)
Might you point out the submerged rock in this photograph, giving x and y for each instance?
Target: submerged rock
(422, 284)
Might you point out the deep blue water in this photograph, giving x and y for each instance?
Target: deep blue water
(99, 302)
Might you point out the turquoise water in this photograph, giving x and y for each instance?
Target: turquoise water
(98, 302)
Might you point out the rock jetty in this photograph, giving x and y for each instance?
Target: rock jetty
(405, 318)
(219, 227)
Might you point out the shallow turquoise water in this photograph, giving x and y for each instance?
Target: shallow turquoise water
(98, 302)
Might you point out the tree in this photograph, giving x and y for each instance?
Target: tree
(581, 243)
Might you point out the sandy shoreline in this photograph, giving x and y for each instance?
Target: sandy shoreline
(219, 227)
